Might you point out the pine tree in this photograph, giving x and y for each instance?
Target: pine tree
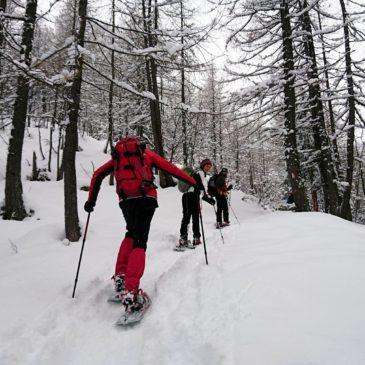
(14, 206)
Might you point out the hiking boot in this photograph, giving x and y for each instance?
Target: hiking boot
(196, 241)
(225, 224)
(135, 300)
(219, 225)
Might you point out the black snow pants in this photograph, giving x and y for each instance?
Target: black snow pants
(222, 207)
(191, 208)
(138, 213)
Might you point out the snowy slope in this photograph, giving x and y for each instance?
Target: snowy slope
(284, 289)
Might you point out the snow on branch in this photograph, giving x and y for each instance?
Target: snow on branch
(11, 16)
(170, 48)
(123, 85)
(35, 74)
(53, 52)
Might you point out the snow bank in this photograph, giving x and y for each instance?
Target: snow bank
(285, 288)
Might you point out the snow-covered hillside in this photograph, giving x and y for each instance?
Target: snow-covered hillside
(284, 289)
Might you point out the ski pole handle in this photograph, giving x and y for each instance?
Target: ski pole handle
(82, 250)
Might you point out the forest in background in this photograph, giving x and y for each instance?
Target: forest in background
(284, 114)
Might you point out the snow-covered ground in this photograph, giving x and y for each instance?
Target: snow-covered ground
(284, 289)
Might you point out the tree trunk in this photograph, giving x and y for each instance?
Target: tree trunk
(111, 88)
(2, 82)
(322, 144)
(315, 201)
(40, 140)
(220, 137)
(51, 130)
(357, 204)
(213, 109)
(72, 227)
(59, 168)
(111, 94)
(35, 171)
(183, 99)
(330, 107)
(251, 173)
(2, 9)
(291, 150)
(237, 154)
(345, 206)
(14, 206)
(151, 70)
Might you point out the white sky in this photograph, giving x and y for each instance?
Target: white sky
(213, 49)
(216, 46)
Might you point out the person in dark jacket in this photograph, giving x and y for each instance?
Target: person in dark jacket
(191, 207)
(290, 198)
(221, 192)
(132, 167)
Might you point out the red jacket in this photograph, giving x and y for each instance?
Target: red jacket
(150, 159)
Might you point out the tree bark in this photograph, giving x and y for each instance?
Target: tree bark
(2, 9)
(345, 206)
(330, 107)
(291, 150)
(14, 206)
(40, 140)
(111, 94)
(220, 137)
(213, 108)
(151, 70)
(35, 171)
(51, 130)
(183, 99)
(59, 160)
(322, 144)
(72, 228)
(111, 88)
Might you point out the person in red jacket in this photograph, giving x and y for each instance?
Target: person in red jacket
(132, 166)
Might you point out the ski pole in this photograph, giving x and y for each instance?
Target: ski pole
(229, 203)
(205, 246)
(82, 250)
(220, 228)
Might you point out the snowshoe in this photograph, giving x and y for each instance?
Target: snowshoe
(119, 288)
(135, 304)
(222, 225)
(190, 245)
(182, 244)
(196, 241)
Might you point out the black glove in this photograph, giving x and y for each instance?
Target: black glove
(89, 206)
(209, 200)
(230, 187)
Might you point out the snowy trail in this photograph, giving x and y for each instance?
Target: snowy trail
(82, 331)
(284, 289)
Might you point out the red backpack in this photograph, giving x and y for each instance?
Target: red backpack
(132, 170)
